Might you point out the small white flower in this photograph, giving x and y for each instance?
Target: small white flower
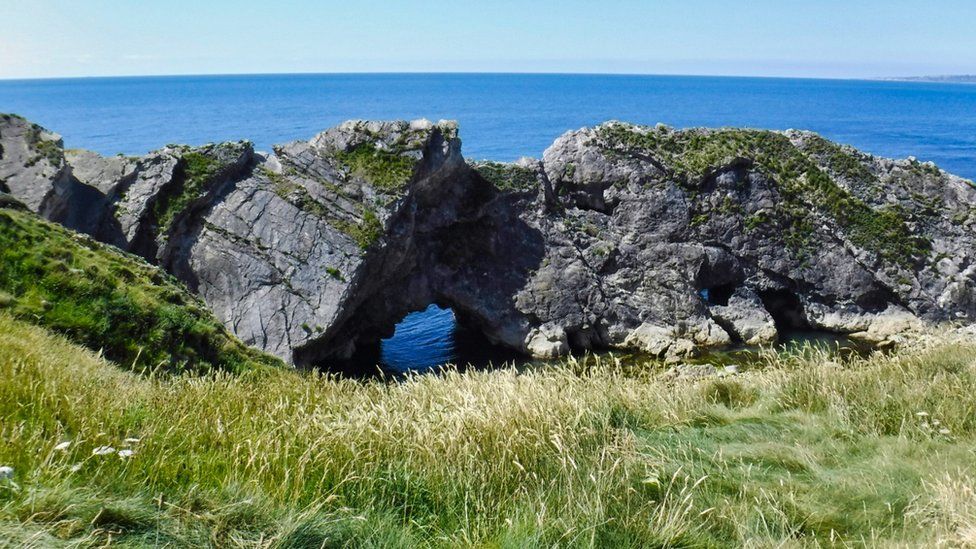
(126, 453)
(63, 446)
(6, 472)
(943, 431)
(103, 451)
(76, 467)
(936, 422)
(921, 414)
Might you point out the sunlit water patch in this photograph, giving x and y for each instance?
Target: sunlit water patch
(422, 340)
(431, 339)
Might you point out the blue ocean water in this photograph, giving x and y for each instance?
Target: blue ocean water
(426, 339)
(502, 117)
(429, 331)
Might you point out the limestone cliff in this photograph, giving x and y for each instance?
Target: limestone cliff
(621, 236)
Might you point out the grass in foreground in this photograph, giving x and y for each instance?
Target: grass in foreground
(805, 452)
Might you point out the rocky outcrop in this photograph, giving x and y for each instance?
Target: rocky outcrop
(699, 223)
(32, 163)
(664, 240)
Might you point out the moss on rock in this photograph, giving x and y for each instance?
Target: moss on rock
(840, 161)
(44, 148)
(691, 155)
(199, 171)
(365, 232)
(507, 177)
(388, 171)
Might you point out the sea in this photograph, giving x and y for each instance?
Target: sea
(502, 117)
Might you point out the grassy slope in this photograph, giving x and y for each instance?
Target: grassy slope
(104, 299)
(804, 452)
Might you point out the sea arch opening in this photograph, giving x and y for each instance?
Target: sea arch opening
(428, 340)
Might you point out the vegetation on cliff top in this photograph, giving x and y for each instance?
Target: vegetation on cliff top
(801, 451)
(839, 160)
(691, 154)
(43, 148)
(507, 177)
(104, 299)
(199, 170)
(388, 164)
(388, 171)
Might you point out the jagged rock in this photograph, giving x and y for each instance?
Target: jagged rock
(96, 183)
(655, 340)
(888, 328)
(31, 162)
(716, 211)
(669, 241)
(547, 342)
(745, 318)
(299, 248)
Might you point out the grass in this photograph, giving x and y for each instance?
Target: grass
(799, 451)
(365, 231)
(106, 300)
(843, 162)
(335, 273)
(198, 172)
(507, 177)
(388, 171)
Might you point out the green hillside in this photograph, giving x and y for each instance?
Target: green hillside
(137, 315)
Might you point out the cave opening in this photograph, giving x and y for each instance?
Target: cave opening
(426, 341)
(718, 295)
(787, 311)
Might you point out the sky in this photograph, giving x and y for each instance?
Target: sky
(809, 38)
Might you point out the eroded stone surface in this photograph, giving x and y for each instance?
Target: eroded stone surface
(650, 238)
(745, 318)
(31, 162)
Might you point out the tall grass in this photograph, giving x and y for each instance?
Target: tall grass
(802, 451)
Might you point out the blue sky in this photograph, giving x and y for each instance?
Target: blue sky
(816, 38)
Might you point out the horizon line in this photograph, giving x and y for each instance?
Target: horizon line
(907, 79)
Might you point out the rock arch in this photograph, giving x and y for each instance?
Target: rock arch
(609, 241)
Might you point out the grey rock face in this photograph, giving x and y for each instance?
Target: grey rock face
(745, 318)
(797, 232)
(31, 162)
(295, 252)
(621, 236)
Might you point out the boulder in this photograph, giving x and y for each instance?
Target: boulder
(745, 318)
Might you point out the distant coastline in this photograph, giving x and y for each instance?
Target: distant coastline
(945, 79)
